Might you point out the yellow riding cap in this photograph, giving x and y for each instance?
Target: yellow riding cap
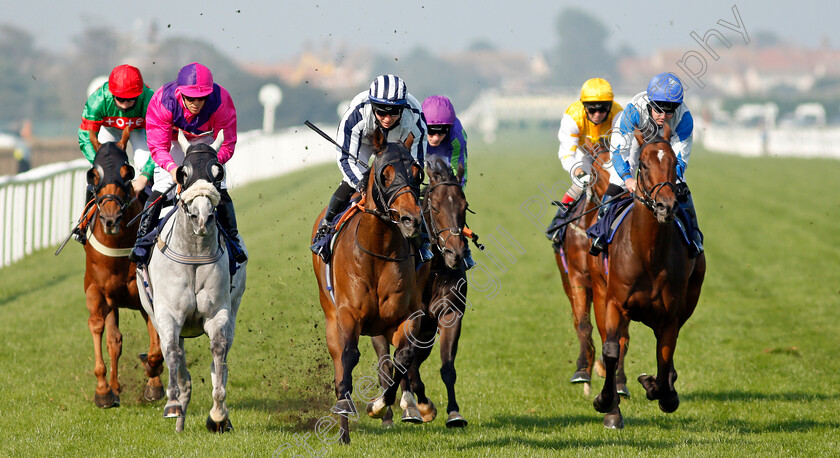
(596, 90)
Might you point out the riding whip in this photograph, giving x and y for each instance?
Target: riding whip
(329, 139)
(154, 202)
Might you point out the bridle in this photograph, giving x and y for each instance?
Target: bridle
(431, 226)
(648, 197)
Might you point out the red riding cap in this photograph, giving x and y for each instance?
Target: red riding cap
(125, 82)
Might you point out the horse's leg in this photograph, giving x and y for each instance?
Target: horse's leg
(607, 401)
(169, 332)
(450, 333)
(620, 376)
(414, 384)
(385, 370)
(114, 342)
(104, 396)
(579, 300)
(348, 343)
(662, 388)
(406, 333)
(184, 386)
(152, 362)
(217, 329)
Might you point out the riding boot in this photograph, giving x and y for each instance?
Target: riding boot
(553, 231)
(469, 263)
(142, 249)
(696, 245)
(425, 247)
(338, 202)
(226, 217)
(79, 232)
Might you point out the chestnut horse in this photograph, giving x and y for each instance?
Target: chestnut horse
(370, 286)
(651, 278)
(444, 291)
(110, 278)
(573, 263)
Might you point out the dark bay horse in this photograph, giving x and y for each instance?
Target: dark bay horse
(573, 263)
(110, 278)
(444, 291)
(651, 278)
(370, 286)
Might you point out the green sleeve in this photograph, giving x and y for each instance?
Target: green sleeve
(92, 116)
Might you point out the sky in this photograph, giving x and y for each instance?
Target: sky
(267, 31)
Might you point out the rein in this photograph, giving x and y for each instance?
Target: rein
(440, 242)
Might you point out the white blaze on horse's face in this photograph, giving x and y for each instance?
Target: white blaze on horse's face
(660, 155)
(201, 213)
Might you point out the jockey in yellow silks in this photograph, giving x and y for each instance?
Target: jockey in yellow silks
(591, 118)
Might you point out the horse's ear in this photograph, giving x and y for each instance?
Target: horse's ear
(219, 140)
(460, 173)
(94, 175)
(666, 132)
(182, 140)
(182, 174)
(94, 140)
(124, 139)
(409, 141)
(639, 137)
(379, 140)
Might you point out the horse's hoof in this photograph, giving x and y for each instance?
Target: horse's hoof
(107, 400)
(387, 424)
(600, 369)
(375, 409)
(614, 421)
(220, 426)
(670, 403)
(649, 384)
(581, 376)
(412, 415)
(602, 406)
(153, 393)
(455, 420)
(587, 389)
(173, 411)
(622, 390)
(427, 411)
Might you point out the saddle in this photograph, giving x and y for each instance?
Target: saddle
(615, 214)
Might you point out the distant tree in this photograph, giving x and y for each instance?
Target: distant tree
(26, 90)
(581, 51)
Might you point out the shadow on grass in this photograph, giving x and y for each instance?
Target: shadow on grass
(12, 297)
(743, 396)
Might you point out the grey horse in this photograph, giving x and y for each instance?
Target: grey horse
(191, 290)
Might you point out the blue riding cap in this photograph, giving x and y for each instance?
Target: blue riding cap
(665, 87)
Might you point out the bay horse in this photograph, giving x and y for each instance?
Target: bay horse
(444, 291)
(573, 263)
(194, 290)
(650, 278)
(110, 278)
(370, 287)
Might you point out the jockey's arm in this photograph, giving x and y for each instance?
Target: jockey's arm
(569, 136)
(349, 136)
(681, 142)
(622, 143)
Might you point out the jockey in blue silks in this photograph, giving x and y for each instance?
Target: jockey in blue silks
(661, 103)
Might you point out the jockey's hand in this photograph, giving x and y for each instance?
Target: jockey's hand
(139, 183)
(631, 184)
(583, 178)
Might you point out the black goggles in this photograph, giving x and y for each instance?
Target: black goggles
(125, 100)
(593, 108)
(439, 129)
(665, 107)
(387, 110)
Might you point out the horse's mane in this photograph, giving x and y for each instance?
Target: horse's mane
(202, 188)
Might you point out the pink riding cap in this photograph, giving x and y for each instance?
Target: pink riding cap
(438, 110)
(195, 80)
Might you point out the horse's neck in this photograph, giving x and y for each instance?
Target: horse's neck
(657, 237)
(381, 237)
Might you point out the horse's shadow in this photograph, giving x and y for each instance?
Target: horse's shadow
(293, 413)
(744, 396)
